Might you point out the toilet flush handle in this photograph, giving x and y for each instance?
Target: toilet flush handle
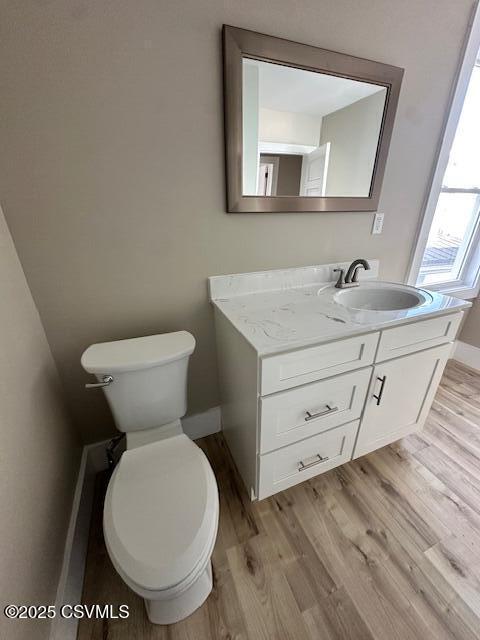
(106, 380)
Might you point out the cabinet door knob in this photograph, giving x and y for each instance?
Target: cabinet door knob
(378, 398)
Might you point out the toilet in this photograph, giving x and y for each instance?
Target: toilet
(161, 508)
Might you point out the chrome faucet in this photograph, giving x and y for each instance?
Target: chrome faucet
(351, 278)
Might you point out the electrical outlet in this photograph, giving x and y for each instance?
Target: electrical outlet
(378, 223)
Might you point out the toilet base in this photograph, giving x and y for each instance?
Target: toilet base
(178, 607)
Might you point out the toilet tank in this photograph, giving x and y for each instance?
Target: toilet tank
(149, 386)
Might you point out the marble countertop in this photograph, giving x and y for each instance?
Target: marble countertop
(282, 317)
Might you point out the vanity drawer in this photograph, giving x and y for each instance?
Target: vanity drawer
(295, 414)
(400, 341)
(285, 467)
(292, 369)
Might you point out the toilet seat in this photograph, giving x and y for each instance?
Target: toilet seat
(161, 515)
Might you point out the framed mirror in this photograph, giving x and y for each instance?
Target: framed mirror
(306, 129)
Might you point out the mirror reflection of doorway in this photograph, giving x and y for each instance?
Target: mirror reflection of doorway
(267, 175)
(281, 174)
(314, 171)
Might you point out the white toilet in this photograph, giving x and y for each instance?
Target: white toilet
(161, 508)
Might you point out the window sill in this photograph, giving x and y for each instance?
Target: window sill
(463, 293)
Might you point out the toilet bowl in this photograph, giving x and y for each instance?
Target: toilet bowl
(160, 524)
(161, 507)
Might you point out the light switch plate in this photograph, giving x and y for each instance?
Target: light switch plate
(378, 223)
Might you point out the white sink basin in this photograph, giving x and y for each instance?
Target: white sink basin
(382, 296)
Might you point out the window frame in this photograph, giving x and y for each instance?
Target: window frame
(468, 283)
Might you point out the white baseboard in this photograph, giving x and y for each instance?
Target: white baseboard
(93, 461)
(70, 585)
(467, 354)
(202, 424)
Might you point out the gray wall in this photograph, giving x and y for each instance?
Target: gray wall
(353, 135)
(470, 332)
(289, 175)
(39, 454)
(112, 170)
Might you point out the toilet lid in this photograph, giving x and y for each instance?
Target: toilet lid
(161, 512)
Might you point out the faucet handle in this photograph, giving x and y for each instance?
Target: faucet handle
(341, 278)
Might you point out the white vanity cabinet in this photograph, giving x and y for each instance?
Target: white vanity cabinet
(292, 415)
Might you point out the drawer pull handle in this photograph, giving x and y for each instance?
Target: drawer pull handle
(302, 466)
(378, 398)
(319, 414)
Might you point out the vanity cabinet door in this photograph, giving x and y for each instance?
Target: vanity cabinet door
(399, 399)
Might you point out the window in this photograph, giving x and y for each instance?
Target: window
(447, 257)
(454, 229)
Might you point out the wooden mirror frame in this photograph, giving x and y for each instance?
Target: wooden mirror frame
(239, 44)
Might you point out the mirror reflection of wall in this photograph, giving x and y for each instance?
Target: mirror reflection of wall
(307, 133)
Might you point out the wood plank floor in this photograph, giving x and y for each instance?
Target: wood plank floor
(385, 547)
